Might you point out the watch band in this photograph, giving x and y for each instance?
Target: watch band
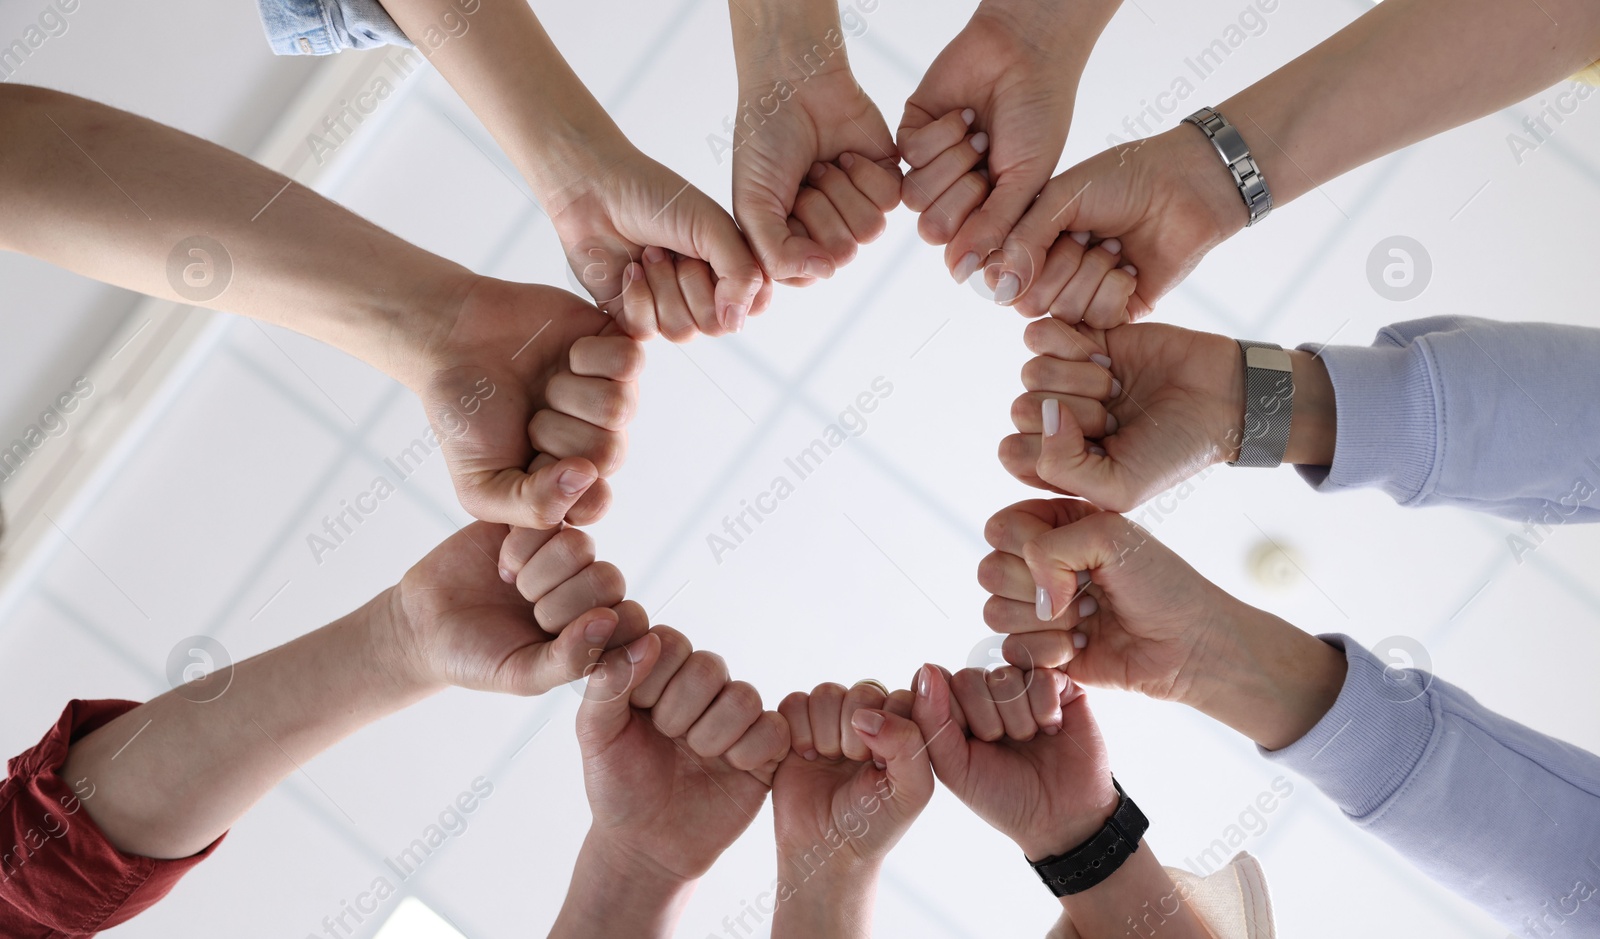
(1236, 155)
(1093, 861)
(1268, 404)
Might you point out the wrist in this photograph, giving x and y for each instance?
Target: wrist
(1315, 429)
(1270, 681)
(1069, 28)
(615, 891)
(771, 38)
(389, 640)
(1200, 172)
(835, 898)
(1068, 833)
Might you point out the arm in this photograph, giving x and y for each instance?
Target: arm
(1169, 199)
(1490, 809)
(1458, 411)
(606, 199)
(140, 205)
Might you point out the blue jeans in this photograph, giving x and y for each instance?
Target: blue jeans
(323, 27)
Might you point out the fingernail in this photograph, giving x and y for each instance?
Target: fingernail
(573, 482)
(636, 649)
(1116, 388)
(1132, 271)
(880, 764)
(655, 254)
(817, 169)
(847, 160)
(1104, 361)
(980, 142)
(1079, 640)
(1081, 237)
(1051, 730)
(819, 268)
(969, 116)
(1050, 412)
(1083, 578)
(922, 682)
(633, 274)
(599, 630)
(810, 754)
(1007, 289)
(1087, 606)
(1042, 607)
(1112, 245)
(1097, 450)
(967, 267)
(733, 317)
(1112, 423)
(867, 722)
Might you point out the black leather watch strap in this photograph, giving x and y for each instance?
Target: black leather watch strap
(1093, 861)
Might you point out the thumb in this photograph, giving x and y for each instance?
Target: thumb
(946, 743)
(1072, 464)
(714, 238)
(787, 256)
(538, 667)
(897, 744)
(606, 706)
(600, 269)
(986, 230)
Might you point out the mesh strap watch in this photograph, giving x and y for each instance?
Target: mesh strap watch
(1093, 861)
(1236, 156)
(1268, 404)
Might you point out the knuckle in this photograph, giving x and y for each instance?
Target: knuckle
(743, 697)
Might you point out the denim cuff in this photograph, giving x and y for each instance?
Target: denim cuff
(324, 27)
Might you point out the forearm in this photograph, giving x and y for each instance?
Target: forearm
(1141, 892)
(612, 894)
(111, 196)
(171, 776)
(506, 68)
(785, 40)
(1068, 30)
(838, 903)
(1402, 72)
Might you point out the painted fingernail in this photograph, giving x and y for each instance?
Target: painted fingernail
(967, 267)
(847, 160)
(1116, 388)
(655, 254)
(817, 171)
(1112, 424)
(980, 142)
(1042, 607)
(1104, 361)
(922, 682)
(1132, 271)
(1087, 606)
(1081, 237)
(1112, 245)
(1050, 411)
(1079, 640)
(810, 754)
(820, 268)
(508, 576)
(867, 722)
(1083, 578)
(599, 630)
(969, 116)
(733, 316)
(1007, 289)
(573, 482)
(1097, 450)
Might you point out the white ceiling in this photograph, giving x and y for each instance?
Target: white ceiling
(866, 571)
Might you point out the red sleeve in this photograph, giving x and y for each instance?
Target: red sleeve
(60, 878)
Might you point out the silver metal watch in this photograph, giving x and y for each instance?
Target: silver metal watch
(1268, 404)
(1236, 155)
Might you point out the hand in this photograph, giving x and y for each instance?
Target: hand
(492, 380)
(1165, 199)
(1048, 793)
(815, 169)
(1016, 67)
(452, 620)
(700, 274)
(1161, 402)
(677, 759)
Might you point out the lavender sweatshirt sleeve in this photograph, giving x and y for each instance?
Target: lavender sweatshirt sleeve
(1475, 413)
(1502, 815)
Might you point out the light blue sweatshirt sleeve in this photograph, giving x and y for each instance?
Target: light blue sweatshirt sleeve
(1480, 414)
(1502, 815)
(324, 27)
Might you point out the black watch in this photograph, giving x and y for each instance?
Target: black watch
(1090, 863)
